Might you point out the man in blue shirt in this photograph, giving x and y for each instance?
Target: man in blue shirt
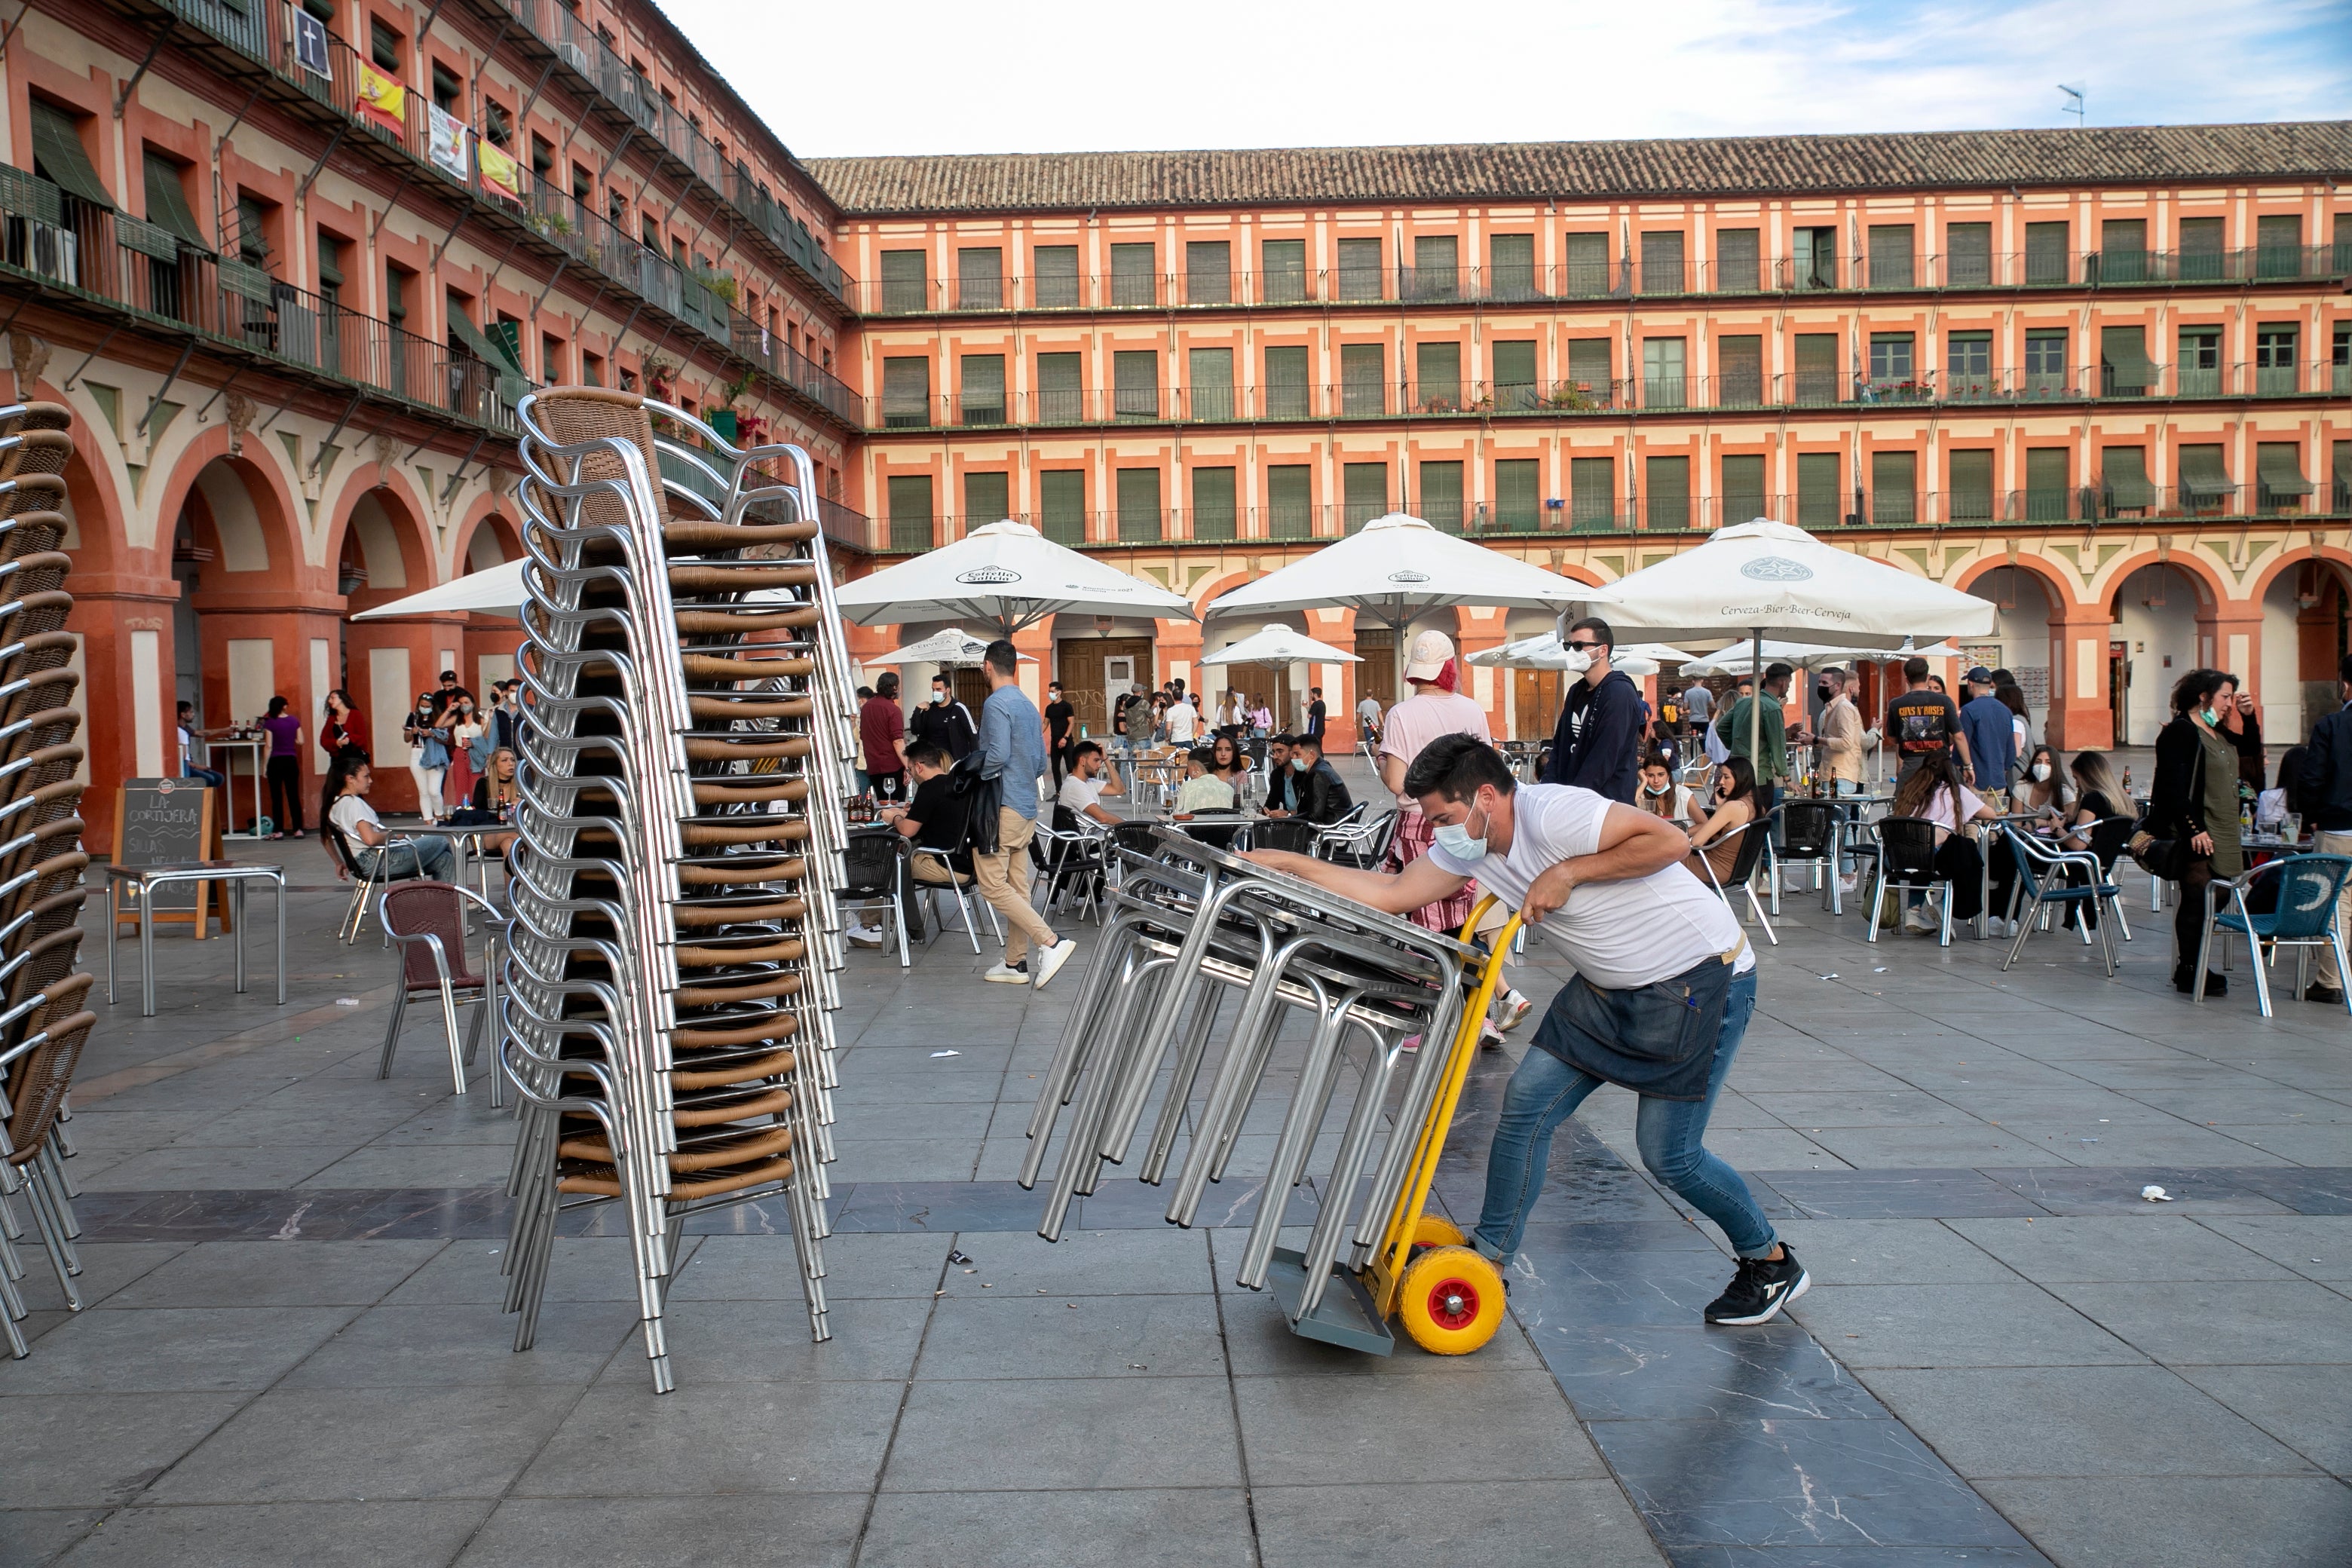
(1013, 752)
(1992, 741)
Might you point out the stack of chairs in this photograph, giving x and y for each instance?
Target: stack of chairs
(43, 1025)
(675, 943)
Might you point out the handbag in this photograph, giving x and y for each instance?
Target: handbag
(978, 800)
(2165, 859)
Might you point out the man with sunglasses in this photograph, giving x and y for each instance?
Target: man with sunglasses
(1597, 744)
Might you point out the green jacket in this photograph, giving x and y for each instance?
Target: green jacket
(1732, 730)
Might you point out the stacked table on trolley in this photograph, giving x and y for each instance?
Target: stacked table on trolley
(43, 1025)
(674, 951)
(1204, 958)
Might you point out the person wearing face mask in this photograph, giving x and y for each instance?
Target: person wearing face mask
(1664, 988)
(1660, 795)
(1316, 791)
(1841, 729)
(1731, 804)
(1435, 708)
(428, 754)
(2194, 801)
(467, 753)
(946, 723)
(1597, 744)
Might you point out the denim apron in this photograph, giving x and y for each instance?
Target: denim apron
(1657, 1040)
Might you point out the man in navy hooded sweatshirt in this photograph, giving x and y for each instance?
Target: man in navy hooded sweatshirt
(1598, 744)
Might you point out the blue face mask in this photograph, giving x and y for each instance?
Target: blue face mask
(1301, 763)
(1456, 839)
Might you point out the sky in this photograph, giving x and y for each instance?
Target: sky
(918, 76)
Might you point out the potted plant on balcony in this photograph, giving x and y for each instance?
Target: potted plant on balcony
(661, 378)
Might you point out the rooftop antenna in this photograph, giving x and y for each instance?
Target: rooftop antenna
(2079, 109)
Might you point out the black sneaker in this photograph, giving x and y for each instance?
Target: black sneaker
(1760, 1288)
(2316, 992)
(2216, 984)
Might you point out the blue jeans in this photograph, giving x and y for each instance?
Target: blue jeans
(1546, 1091)
(430, 854)
(209, 776)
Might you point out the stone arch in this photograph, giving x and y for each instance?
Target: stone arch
(2333, 555)
(2111, 577)
(245, 502)
(2057, 584)
(378, 522)
(490, 539)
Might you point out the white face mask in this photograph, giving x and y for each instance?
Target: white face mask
(2042, 771)
(1579, 661)
(1456, 839)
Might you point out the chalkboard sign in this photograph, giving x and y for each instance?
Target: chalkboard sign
(166, 822)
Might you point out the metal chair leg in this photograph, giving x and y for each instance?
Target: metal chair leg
(392, 1034)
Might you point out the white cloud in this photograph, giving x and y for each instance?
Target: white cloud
(1073, 74)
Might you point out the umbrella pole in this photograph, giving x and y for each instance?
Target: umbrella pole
(1756, 706)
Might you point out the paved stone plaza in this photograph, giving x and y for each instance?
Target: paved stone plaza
(293, 1351)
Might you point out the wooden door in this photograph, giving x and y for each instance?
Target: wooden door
(1270, 681)
(1377, 675)
(1535, 703)
(1085, 667)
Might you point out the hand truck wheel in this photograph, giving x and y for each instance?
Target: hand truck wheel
(1436, 1230)
(1451, 1300)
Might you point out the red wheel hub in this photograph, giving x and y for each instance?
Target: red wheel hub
(1452, 1304)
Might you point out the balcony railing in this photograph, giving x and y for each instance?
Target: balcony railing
(92, 253)
(1223, 288)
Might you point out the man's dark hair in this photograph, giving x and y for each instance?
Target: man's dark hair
(1084, 748)
(865, 692)
(1308, 742)
(1598, 628)
(185, 707)
(448, 675)
(2192, 690)
(1289, 740)
(887, 683)
(1204, 755)
(1457, 767)
(1777, 670)
(1915, 670)
(925, 753)
(1002, 656)
(2002, 677)
(1313, 691)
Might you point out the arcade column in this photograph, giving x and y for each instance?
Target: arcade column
(128, 679)
(2081, 712)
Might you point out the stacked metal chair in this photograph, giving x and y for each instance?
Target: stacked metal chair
(674, 949)
(42, 1023)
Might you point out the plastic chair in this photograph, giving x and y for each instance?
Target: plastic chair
(957, 883)
(2305, 917)
(1808, 836)
(429, 921)
(366, 883)
(1743, 873)
(1907, 861)
(1294, 833)
(872, 869)
(2036, 864)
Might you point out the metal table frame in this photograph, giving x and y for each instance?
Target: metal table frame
(150, 878)
(259, 746)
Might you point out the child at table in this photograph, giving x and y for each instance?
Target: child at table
(1202, 789)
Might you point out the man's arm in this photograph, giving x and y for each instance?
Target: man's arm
(995, 738)
(1633, 844)
(1105, 817)
(1960, 742)
(1421, 882)
(1392, 776)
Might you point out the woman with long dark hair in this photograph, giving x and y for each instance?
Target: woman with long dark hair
(346, 809)
(2194, 801)
(343, 726)
(1731, 806)
(1933, 790)
(285, 769)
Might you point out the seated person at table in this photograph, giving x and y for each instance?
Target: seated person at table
(1089, 779)
(2042, 790)
(933, 821)
(1711, 838)
(1202, 790)
(1280, 785)
(1658, 794)
(1317, 793)
(1933, 790)
(496, 796)
(349, 779)
(1229, 761)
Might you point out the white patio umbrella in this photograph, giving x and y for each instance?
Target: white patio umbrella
(494, 591)
(1397, 567)
(1544, 651)
(1008, 574)
(954, 646)
(1766, 579)
(1280, 644)
(1744, 657)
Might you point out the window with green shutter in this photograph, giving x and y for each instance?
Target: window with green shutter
(2123, 480)
(1891, 263)
(2204, 478)
(1208, 272)
(1740, 370)
(1139, 505)
(2197, 365)
(1666, 492)
(1519, 494)
(1970, 497)
(1591, 493)
(1513, 364)
(1363, 379)
(2046, 253)
(982, 377)
(2123, 367)
(1511, 267)
(2275, 370)
(1821, 496)
(59, 157)
(2200, 250)
(1287, 391)
(1662, 382)
(1282, 271)
(1967, 255)
(906, 392)
(1967, 367)
(1437, 377)
(1894, 372)
(1894, 487)
(1743, 488)
(1061, 388)
(2278, 475)
(1818, 377)
(1135, 383)
(2278, 246)
(980, 278)
(1209, 377)
(1290, 501)
(987, 498)
(2047, 493)
(1215, 512)
(1662, 262)
(1062, 505)
(167, 201)
(1739, 261)
(2122, 250)
(2045, 361)
(1438, 501)
(2339, 359)
(1812, 259)
(1054, 277)
(905, 286)
(1436, 263)
(1359, 270)
(1587, 267)
(1363, 492)
(1592, 371)
(911, 512)
(1134, 274)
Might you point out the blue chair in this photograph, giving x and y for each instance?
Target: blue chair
(2043, 881)
(2304, 916)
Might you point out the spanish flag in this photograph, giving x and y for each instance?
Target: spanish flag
(501, 176)
(383, 103)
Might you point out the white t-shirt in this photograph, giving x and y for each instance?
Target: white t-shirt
(348, 813)
(1079, 794)
(1183, 723)
(1618, 935)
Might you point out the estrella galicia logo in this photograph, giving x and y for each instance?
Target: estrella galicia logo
(1776, 569)
(1407, 576)
(981, 575)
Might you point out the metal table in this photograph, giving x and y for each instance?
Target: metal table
(149, 878)
(259, 745)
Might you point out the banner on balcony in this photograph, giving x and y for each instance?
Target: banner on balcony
(383, 103)
(501, 174)
(310, 44)
(447, 146)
